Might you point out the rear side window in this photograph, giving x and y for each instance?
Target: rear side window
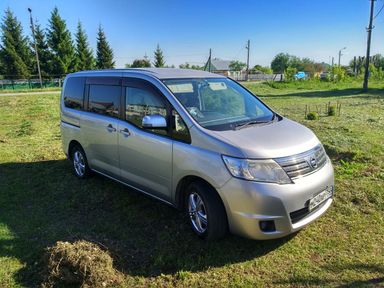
(104, 99)
(74, 93)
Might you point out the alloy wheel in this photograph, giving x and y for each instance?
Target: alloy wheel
(197, 212)
(79, 163)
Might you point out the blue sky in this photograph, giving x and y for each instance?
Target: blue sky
(186, 30)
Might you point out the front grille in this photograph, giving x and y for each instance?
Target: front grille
(303, 164)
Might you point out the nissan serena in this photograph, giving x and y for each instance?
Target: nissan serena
(200, 142)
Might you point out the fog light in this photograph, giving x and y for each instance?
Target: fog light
(267, 226)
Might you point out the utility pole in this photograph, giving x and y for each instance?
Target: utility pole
(34, 41)
(209, 60)
(208, 64)
(341, 54)
(369, 30)
(248, 48)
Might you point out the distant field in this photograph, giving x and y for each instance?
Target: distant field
(151, 243)
(27, 90)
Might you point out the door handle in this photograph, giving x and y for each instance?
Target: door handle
(125, 132)
(110, 128)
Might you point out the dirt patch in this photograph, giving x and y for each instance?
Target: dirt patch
(80, 263)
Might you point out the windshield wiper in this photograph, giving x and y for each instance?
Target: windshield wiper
(249, 123)
(254, 122)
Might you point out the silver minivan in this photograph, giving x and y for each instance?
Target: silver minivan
(200, 142)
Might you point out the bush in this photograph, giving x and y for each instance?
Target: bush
(332, 110)
(312, 116)
(289, 74)
(376, 73)
(140, 63)
(337, 74)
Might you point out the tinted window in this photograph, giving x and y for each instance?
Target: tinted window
(74, 93)
(104, 99)
(141, 102)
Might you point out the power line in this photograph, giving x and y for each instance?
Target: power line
(378, 13)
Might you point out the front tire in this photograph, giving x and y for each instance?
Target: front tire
(79, 163)
(206, 212)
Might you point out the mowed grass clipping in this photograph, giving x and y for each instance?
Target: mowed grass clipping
(151, 244)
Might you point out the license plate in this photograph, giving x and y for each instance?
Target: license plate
(320, 198)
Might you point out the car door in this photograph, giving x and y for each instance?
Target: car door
(100, 123)
(145, 155)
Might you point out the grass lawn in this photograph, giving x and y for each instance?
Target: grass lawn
(27, 90)
(41, 202)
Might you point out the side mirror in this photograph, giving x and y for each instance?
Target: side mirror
(154, 121)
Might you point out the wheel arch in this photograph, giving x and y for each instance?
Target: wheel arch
(73, 143)
(182, 185)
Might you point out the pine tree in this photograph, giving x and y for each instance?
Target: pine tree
(104, 54)
(43, 51)
(15, 55)
(83, 53)
(60, 44)
(159, 58)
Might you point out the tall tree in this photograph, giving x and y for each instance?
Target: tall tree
(83, 53)
(280, 63)
(104, 53)
(43, 51)
(296, 62)
(15, 55)
(60, 44)
(159, 58)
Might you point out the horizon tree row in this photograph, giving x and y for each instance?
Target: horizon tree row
(58, 53)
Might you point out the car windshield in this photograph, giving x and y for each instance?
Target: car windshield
(219, 103)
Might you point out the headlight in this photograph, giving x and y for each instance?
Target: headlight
(256, 170)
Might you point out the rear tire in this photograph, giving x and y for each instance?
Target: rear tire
(206, 212)
(79, 162)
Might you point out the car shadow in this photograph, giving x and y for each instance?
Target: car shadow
(42, 202)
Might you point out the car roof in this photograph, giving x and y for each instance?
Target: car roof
(160, 73)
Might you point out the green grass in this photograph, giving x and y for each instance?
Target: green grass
(28, 90)
(41, 202)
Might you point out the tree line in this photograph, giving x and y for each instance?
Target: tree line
(58, 53)
(376, 66)
(289, 65)
(61, 53)
(284, 61)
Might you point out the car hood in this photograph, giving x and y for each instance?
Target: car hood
(272, 140)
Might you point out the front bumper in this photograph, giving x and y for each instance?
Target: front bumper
(247, 203)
